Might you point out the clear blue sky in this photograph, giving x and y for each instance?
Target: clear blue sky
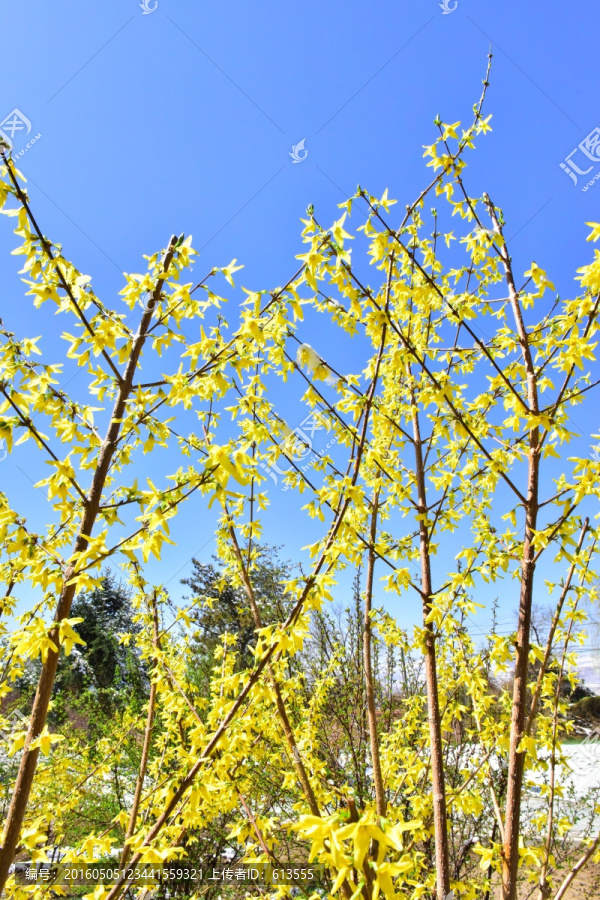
(182, 119)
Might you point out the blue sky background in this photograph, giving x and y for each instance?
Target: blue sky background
(182, 120)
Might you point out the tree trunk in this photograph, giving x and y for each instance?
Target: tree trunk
(438, 783)
(370, 688)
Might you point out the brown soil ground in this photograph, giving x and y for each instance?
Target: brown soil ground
(585, 887)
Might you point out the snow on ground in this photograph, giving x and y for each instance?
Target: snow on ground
(579, 779)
